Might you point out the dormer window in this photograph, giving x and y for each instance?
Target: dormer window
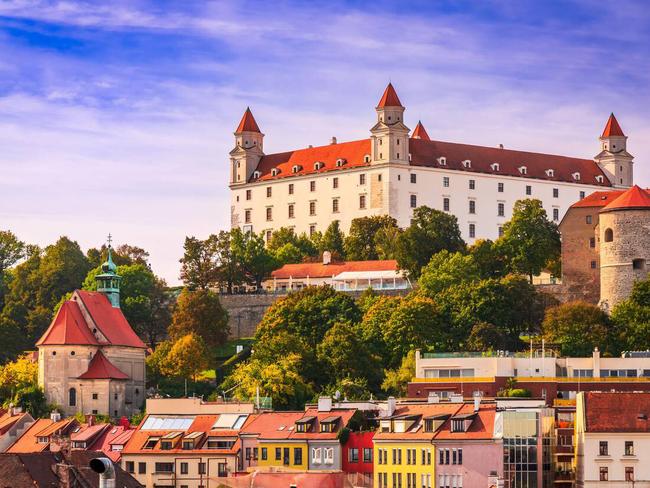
(576, 176)
(318, 165)
(340, 162)
(256, 174)
(467, 163)
(599, 178)
(366, 158)
(296, 168)
(523, 170)
(275, 172)
(442, 161)
(458, 426)
(305, 424)
(329, 424)
(550, 173)
(495, 166)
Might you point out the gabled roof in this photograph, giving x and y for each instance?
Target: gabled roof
(420, 132)
(320, 270)
(89, 433)
(389, 98)
(482, 426)
(617, 412)
(114, 435)
(100, 368)
(612, 128)
(634, 198)
(7, 421)
(28, 470)
(598, 199)
(419, 412)
(27, 442)
(68, 327)
(282, 425)
(110, 320)
(247, 123)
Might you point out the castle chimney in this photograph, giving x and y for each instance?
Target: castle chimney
(500, 146)
(333, 140)
(327, 257)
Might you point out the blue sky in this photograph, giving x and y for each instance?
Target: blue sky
(118, 116)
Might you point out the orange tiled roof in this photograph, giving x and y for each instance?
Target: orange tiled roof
(115, 435)
(389, 98)
(416, 432)
(598, 199)
(282, 425)
(89, 432)
(420, 132)
(320, 270)
(101, 368)
(247, 123)
(27, 442)
(634, 198)
(7, 421)
(612, 128)
(68, 327)
(482, 426)
(617, 412)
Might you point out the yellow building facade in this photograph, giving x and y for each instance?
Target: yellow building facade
(404, 464)
(286, 454)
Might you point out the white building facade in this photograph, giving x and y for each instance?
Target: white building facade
(392, 173)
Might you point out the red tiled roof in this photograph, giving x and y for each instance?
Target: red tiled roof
(247, 123)
(635, 197)
(416, 432)
(68, 327)
(100, 368)
(7, 421)
(282, 425)
(482, 426)
(110, 320)
(612, 128)
(389, 98)
(420, 132)
(88, 432)
(27, 442)
(617, 412)
(320, 270)
(426, 153)
(115, 435)
(598, 199)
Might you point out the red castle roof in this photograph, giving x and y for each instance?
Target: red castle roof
(389, 98)
(68, 327)
(612, 128)
(247, 123)
(320, 270)
(420, 132)
(634, 198)
(100, 368)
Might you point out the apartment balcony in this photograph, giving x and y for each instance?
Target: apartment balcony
(564, 479)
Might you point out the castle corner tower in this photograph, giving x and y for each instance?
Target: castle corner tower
(389, 136)
(249, 149)
(613, 158)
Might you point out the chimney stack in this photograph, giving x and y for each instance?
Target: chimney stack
(391, 404)
(327, 257)
(324, 404)
(333, 140)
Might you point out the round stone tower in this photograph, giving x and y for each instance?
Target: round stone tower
(624, 232)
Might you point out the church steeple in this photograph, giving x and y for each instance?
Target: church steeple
(108, 281)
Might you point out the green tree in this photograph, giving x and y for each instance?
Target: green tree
(631, 319)
(250, 252)
(348, 388)
(157, 361)
(371, 328)
(396, 380)
(578, 327)
(187, 357)
(530, 240)
(333, 240)
(288, 254)
(430, 232)
(385, 242)
(446, 269)
(18, 375)
(485, 336)
(367, 298)
(360, 243)
(199, 262)
(201, 313)
(32, 400)
(11, 251)
(487, 259)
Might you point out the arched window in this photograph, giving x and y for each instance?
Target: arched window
(609, 235)
(72, 400)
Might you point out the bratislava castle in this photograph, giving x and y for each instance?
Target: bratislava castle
(395, 170)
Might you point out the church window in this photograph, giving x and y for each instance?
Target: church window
(638, 264)
(588, 219)
(398, 145)
(115, 396)
(397, 155)
(137, 391)
(609, 235)
(71, 353)
(72, 397)
(381, 156)
(389, 117)
(380, 141)
(593, 265)
(592, 242)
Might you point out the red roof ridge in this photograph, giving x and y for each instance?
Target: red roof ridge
(101, 368)
(68, 327)
(389, 98)
(612, 128)
(420, 132)
(318, 269)
(635, 197)
(247, 123)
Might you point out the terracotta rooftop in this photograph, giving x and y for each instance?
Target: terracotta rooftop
(7, 421)
(612, 128)
(420, 132)
(282, 425)
(28, 470)
(598, 199)
(389, 98)
(100, 368)
(482, 426)
(617, 412)
(419, 411)
(634, 198)
(116, 435)
(89, 432)
(68, 327)
(320, 270)
(27, 442)
(247, 123)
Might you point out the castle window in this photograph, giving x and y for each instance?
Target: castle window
(472, 206)
(269, 192)
(582, 195)
(256, 174)
(501, 209)
(335, 182)
(472, 230)
(335, 205)
(550, 173)
(291, 211)
(556, 214)
(445, 204)
(445, 181)
(362, 201)
(414, 201)
(398, 145)
(593, 265)
(638, 264)
(588, 219)
(414, 178)
(295, 168)
(500, 229)
(495, 166)
(312, 208)
(312, 230)
(362, 179)
(467, 163)
(290, 188)
(366, 158)
(53, 353)
(592, 242)
(599, 179)
(442, 161)
(248, 194)
(247, 216)
(269, 234)
(609, 235)
(72, 397)
(500, 187)
(576, 176)
(71, 353)
(312, 186)
(341, 161)
(529, 190)
(472, 184)
(556, 192)
(95, 396)
(269, 213)
(318, 165)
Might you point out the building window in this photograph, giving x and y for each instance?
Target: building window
(312, 230)
(556, 214)
(629, 448)
(501, 209)
(269, 234)
(582, 195)
(184, 468)
(609, 235)
(500, 187)
(291, 211)
(472, 206)
(593, 265)
(592, 242)
(445, 204)
(249, 194)
(353, 455)
(414, 201)
(269, 213)
(472, 184)
(367, 454)
(629, 473)
(335, 205)
(529, 190)
(445, 181)
(414, 178)
(130, 467)
(362, 179)
(265, 454)
(638, 263)
(72, 397)
(222, 470)
(247, 216)
(312, 186)
(500, 231)
(603, 448)
(312, 208)
(472, 231)
(142, 468)
(604, 473)
(278, 454)
(362, 201)
(588, 219)
(164, 467)
(269, 192)
(556, 192)
(290, 188)
(95, 396)
(335, 182)
(201, 468)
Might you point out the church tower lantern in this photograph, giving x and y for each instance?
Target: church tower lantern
(108, 281)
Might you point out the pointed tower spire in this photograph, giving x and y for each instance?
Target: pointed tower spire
(420, 132)
(612, 128)
(389, 98)
(108, 281)
(247, 123)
